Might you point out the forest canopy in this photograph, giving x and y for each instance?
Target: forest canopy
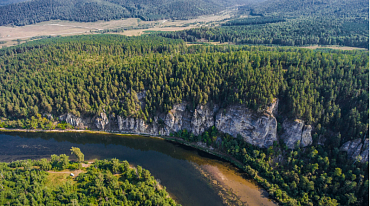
(105, 182)
(86, 75)
(291, 23)
(31, 12)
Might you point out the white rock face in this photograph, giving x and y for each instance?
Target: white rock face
(295, 131)
(365, 151)
(72, 120)
(102, 121)
(356, 148)
(177, 119)
(202, 119)
(256, 129)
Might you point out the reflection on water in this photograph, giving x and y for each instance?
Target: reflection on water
(170, 162)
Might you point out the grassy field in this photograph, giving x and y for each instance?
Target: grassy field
(13, 35)
(56, 179)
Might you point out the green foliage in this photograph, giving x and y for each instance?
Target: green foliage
(77, 152)
(98, 186)
(85, 75)
(31, 12)
(302, 177)
(291, 23)
(293, 32)
(108, 72)
(293, 8)
(253, 21)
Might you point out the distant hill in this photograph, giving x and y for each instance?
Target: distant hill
(34, 11)
(295, 8)
(291, 23)
(6, 2)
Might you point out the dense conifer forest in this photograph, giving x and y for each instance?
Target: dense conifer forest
(291, 23)
(85, 75)
(352, 32)
(105, 182)
(35, 11)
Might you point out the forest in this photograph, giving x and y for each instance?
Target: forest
(352, 32)
(105, 182)
(253, 21)
(310, 176)
(31, 12)
(290, 23)
(85, 75)
(294, 8)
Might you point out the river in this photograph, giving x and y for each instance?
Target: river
(192, 177)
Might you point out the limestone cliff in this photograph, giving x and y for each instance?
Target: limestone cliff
(356, 148)
(296, 131)
(101, 121)
(257, 128)
(72, 120)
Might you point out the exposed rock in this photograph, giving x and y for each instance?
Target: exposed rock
(295, 131)
(50, 117)
(203, 118)
(256, 129)
(133, 125)
(365, 151)
(356, 148)
(273, 107)
(102, 121)
(306, 136)
(177, 119)
(72, 120)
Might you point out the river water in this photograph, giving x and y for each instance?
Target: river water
(179, 168)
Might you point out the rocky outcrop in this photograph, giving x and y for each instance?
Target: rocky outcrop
(296, 131)
(273, 107)
(356, 148)
(177, 119)
(72, 120)
(202, 119)
(257, 129)
(101, 121)
(365, 151)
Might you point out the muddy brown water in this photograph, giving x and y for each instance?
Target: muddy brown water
(175, 165)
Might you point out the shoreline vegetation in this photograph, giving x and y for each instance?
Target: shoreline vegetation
(145, 77)
(228, 199)
(60, 181)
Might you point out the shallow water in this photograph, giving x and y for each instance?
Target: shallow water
(171, 163)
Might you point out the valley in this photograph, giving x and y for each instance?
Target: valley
(14, 35)
(226, 102)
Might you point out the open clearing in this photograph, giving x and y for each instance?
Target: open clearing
(55, 179)
(344, 48)
(14, 35)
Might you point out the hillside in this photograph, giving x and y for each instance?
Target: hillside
(6, 2)
(34, 11)
(149, 82)
(309, 8)
(291, 23)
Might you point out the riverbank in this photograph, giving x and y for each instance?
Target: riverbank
(223, 185)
